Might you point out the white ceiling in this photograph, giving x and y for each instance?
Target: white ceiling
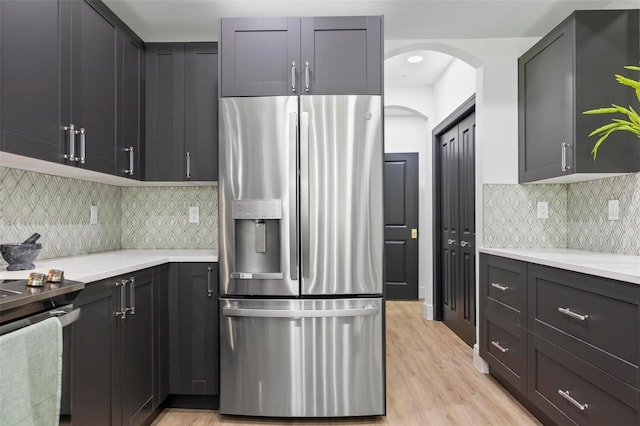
(197, 20)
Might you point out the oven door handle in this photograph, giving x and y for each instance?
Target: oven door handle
(65, 314)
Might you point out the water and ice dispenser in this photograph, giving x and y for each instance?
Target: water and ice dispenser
(257, 239)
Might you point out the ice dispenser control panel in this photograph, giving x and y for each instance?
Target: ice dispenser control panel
(256, 209)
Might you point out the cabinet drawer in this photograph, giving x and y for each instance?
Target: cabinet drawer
(594, 318)
(504, 281)
(506, 350)
(571, 391)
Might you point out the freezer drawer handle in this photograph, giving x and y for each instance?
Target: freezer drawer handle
(565, 395)
(300, 313)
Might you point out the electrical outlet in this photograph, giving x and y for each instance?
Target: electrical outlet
(614, 210)
(543, 210)
(194, 214)
(93, 219)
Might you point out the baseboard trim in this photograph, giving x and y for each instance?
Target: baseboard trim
(427, 311)
(202, 402)
(479, 363)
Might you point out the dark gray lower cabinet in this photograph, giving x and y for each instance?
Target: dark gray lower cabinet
(113, 356)
(575, 360)
(193, 299)
(161, 334)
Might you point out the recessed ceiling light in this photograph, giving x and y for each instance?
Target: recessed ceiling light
(415, 59)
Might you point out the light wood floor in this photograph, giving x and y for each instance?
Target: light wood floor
(430, 381)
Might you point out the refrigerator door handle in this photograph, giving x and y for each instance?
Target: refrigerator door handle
(300, 313)
(293, 195)
(304, 191)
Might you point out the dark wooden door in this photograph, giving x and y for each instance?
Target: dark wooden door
(457, 212)
(343, 55)
(401, 226)
(260, 57)
(194, 369)
(164, 111)
(201, 111)
(137, 373)
(130, 141)
(30, 93)
(97, 356)
(95, 69)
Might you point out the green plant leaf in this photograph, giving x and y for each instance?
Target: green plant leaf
(632, 67)
(628, 81)
(603, 129)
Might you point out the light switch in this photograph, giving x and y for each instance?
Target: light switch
(93, 219)
(614, 210)
(543, 210)
(194, 214)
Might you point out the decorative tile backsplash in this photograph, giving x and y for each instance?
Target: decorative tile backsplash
(589, 226)
(578, 215)
(157, 217)
(510, 216)
(58, 209)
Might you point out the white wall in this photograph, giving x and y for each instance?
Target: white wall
(456, 84)
(411, 132)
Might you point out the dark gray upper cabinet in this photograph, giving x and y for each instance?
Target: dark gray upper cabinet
(62, 82)
(260, 56)
(130, 149)
(569, 71)
(181, 112)
(194, 329)
(341, 55)
(297, 56)
(30, 76)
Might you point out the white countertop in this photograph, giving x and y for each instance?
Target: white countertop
(107, 264)
(609, 265)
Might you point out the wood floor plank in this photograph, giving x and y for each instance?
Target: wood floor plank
(430, 381)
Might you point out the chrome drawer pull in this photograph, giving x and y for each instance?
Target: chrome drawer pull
(500, 287)
(500, 348)
(568, 312)
(565, 395)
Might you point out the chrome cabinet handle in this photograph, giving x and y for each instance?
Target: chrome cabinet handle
(83, 146)
(129, 171)
(306, 76)
(450, 241)
(563, 152)
(293, 76)
(122, 313)
(500, 348)
(465, 243)
(500, 287)
(293, 195)
(71, 128)
(572, 314)
(188, 165)
(209, 281)
(568, 397)
(132, 296)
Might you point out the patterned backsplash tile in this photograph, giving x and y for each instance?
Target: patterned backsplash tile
(589, 227)
(157, 217)
(58, 209)
(510, 216)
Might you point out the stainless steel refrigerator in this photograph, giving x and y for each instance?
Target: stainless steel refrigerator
(301, 256)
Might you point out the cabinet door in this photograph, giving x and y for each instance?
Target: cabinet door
(137, 378)
(97, 361)
(161, 333)
(130, 154)
(201, 111)
(260, 56)
(196, 372)
(545, 80)
(96, 70)
(344, 55)
(30, 78)
(164, 110)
